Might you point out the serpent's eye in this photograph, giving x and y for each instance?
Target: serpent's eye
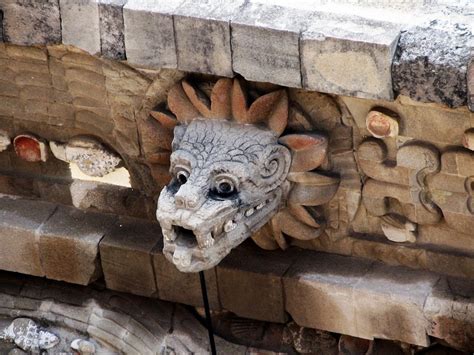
(182, 176)
(224, 187)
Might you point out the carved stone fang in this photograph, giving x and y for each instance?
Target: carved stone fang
(205, 240)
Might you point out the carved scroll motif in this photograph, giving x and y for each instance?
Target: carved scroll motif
(453, 189)
(399, 189)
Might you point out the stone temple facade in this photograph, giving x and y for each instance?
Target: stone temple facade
(314, 159)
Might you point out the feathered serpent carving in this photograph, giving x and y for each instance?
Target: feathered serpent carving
(217, 123)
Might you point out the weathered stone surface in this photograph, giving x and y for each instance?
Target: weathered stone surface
(177, 286)
(112, 28)
(351, 58)
(125, 256)
(80, 24)
(251, 288)
(31, 22)
(69, 245)
(265, 43)
(431, 63)
(450, 312)
(389, 302)
(324, 284)
(470, 83)
(202, 30)
(149, 36)
(20, 221)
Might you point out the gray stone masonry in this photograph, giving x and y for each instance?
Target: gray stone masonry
(368, 50)
(341, 294)
(112, 29)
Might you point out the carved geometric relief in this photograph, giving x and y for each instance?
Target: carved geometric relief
(452, 189)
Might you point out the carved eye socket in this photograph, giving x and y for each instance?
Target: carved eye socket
(182, 176)
(225, 187)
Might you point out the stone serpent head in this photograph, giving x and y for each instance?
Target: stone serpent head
(230, 170)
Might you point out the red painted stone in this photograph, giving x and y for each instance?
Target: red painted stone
(29, 148)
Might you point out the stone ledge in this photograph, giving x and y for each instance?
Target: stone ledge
(342, 294)
(292, 45)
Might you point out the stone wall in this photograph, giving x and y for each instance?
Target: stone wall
(395, 259)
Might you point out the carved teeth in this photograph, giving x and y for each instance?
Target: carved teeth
(205, 240)
(260, 206)
(249, 212)
(169, 235)
(182, 257)
(229, 226)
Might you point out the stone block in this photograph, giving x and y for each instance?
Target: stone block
(265, 43)
(389, 304)
(181, 287)
(202, 30)
(149, 34)
(324, 284)
(250, 282)
(111, 29)
(351, 58)
(69, 245)
(20, 220)
(80, 24)
(125, 256)
(431, 63)
(470, 84)
(31, 22)
(449, 310)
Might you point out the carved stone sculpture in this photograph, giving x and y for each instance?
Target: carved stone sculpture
(26, 334)
(231, 173)
(91, 157)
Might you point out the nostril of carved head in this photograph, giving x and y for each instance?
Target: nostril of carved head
(180, 202)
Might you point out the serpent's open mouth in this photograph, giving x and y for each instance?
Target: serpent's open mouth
(195, 244)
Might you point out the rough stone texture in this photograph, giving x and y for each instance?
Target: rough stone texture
(265, 44)
(114, 322)
(431, 63)
(352, 58)
(181, 287)
(323, 283)
(112, 29)
(452, 296)
(149, 34)
(125, 256)
(470, 83)
(253, 289)
(69, 245)
(31, 22)
(388, 304)
(202, 30)
(80, 24)
(20, 221)
(354, 297)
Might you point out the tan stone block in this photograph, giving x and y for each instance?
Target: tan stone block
(250, 282)
(92, 122)
(22, 52)
(318, 291)
(181, 287)
(31, 66)
(33, 78)
(125, 256)
(389, 304)
(8, 88)
(20, 220)
(10, 106)
(450, 312)
(69, 245)
(37, 93)
(34, 106)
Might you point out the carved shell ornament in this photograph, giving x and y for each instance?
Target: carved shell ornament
(239, 169)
